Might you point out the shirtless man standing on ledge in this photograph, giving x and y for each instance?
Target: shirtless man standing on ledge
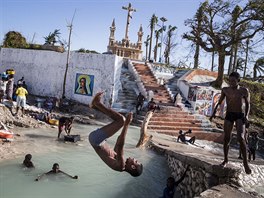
(235, 95)
(114, 158)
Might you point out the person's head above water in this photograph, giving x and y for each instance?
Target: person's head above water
(55, 168)
(28, 157)
(133, 167)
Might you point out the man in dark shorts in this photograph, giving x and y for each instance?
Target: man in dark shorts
(235, 95)
(66, 123)
(114, 158)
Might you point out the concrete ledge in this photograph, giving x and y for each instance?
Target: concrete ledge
(224, 191)
(205, 172)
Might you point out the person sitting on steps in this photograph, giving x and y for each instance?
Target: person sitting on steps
(152, 105)
(182, 137)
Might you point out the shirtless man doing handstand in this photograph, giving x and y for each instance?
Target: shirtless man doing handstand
(113, 157)
(235, 95)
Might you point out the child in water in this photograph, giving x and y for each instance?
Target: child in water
(27, 161)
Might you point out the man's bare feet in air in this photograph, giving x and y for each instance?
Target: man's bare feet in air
(129, 118)
(96, 100)
(224, 164)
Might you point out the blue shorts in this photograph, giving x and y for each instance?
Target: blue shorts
(97, 137)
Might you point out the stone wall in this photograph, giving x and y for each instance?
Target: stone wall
(44, 72)
(202, 175)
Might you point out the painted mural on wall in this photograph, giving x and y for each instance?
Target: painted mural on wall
(84, 84)
(203, 104)
(220, 110)
(205, 94)
(203, 107)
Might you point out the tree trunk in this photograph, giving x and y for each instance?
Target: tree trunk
(245, 68)
(169, 48)
(235, 58)
(196, 57)
(254, 73)
(212, 66)
(230, 68)
(150, 44)
(221, 64)
(146, 52)
(144, 138)
(156, 50)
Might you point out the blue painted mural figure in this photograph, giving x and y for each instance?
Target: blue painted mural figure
(84, 84)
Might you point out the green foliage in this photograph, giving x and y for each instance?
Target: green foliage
(52, 38)
(224, 25)
(256, 100)
(14, 39)
(35, 46)
(82, 50)
(258, 67)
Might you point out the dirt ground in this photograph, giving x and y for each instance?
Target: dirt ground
(18, 123)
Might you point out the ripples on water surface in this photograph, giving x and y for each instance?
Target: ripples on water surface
(96, 180)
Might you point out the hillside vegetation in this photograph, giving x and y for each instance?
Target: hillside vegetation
(256, 101)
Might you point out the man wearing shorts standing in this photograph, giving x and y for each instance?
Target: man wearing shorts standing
(235, 95)
(114, 158)
(21, 93)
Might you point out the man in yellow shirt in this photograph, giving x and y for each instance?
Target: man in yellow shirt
(21, 93)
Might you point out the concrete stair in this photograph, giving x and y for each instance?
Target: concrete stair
(170, 119)
(127, 96)
(161, 95)
(172, 84)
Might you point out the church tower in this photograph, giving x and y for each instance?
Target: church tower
(140, 35)
(112, 34)
(125, 48)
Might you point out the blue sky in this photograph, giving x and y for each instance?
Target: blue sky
(35, 19)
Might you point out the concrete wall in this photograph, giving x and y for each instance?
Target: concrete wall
(44, 72)
(204, 175)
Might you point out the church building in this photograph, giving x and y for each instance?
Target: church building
(125, 48)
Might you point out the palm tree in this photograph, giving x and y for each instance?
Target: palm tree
(169, 44)
(146, 44)
(198, 20)
(153, 22)
(157, 35)
(245, 68)
(240, 64)
(52, 37)
(258, 67)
